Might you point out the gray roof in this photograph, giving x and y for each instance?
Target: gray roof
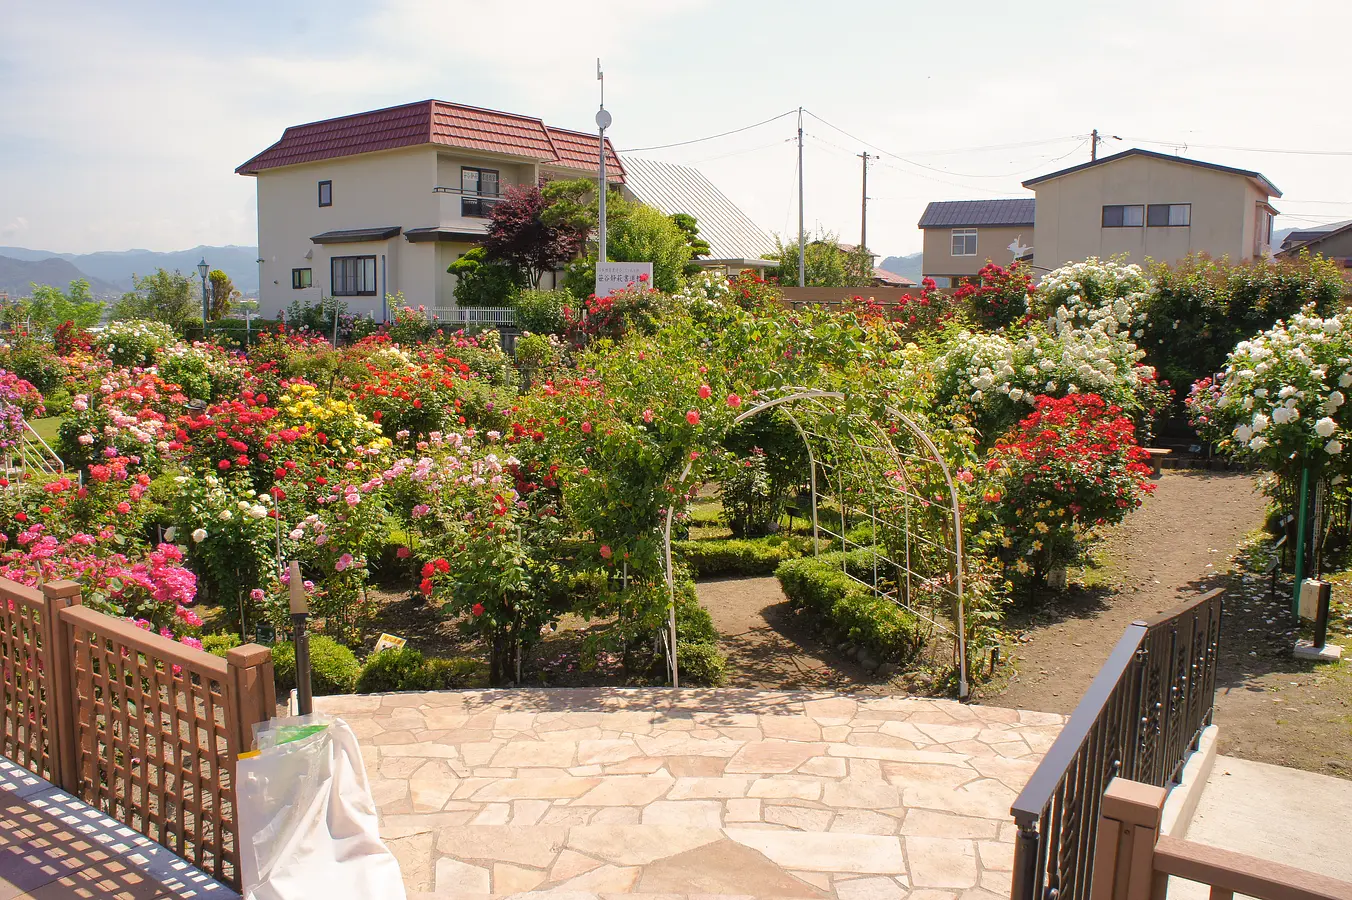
(680, 189)
(1257, 177)
(975, 213)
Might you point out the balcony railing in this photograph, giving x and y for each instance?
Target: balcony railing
(473, 204)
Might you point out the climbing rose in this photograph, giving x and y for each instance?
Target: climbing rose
(734, 401)
(705, 391)
(477, 609)
(606, 552)
(692, 417)
(199, 535)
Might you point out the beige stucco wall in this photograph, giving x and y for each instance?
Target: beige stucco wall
(991, 244)
(1070, 213)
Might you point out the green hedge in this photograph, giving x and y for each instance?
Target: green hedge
(701, 662)
(889, 632)
(406, 670)
(740, 556)
(333, 667)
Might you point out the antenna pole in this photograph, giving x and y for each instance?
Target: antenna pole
(863, 211)
(601, 193)
(802, 248)
(1093, 145)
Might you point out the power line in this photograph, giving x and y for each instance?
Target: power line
(704, 159)
(712, 136)
(1184, 145)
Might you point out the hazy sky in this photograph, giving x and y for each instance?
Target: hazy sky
(121, 123)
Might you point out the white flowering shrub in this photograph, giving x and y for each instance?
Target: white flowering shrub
(1094, 290)
(1284, 395)
(134, 342)
(703, 287)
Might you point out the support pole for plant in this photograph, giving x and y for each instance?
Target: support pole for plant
(1302, 525)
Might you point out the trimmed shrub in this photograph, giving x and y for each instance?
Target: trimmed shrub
(333, 667)
(701, 662)
(821, 585)
(460, 672)
(393, 670)
(740, 556)
(221, 644)
(541, 312)
(693, 622)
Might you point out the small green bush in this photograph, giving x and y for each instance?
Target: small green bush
(820, 584)
(701, 662)
(393, 670)
(460, 672)
(693, 622)
(740, 556)
(220, 644)
(333, 667)
(541, 312)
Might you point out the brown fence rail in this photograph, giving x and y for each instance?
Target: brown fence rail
(143, 728)
(1139, 719)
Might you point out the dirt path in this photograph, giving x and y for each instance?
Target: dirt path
(770, 647)
(1177, 545)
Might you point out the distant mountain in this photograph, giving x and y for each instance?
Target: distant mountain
(18, 275)
(909, 266)
(117, 267)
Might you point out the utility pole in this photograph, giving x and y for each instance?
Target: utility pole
(863, 211)
(602, 123)
(802, 248)
(1093, 145)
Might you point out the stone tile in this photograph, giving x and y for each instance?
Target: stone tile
(948, 734)
(392, 737)
(455, 876)
(616, 815)
(494, 814)
(708, 788)
(724, 868)
(790, 728)
(872, 888)
(569, 815)
(819, 880)
(626, 790)
(915, 774)
(571, 864)
(699, 813)
(479, 753)
(510, 879)
(824, 767)
(832, 711)
(419, 751)
(798, 818)
(535, 847)
(940, 757)
(772, 757)
(941, 862)
(996, 855)
(785, 788)
(986, 799)
(529, 812)
(695, 766)
(517, 754)
(404, 824)
(836, 733)
(624, 846)
(597, 752)
(825, 852)
(931, 894)
(431, 786)
(851, 795)
(863, 821)
(997, 882)
(414, 854)
(535, 788)
(398, 767)
(743, 811)
(928, 823)
(605, 879)
(388, 791)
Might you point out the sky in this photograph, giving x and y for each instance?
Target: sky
(121, 124)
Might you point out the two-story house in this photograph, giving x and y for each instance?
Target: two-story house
(379, 202)
(1140, 203)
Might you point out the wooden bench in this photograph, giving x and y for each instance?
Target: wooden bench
(1157, 455)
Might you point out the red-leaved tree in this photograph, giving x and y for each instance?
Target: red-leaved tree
(517, 235)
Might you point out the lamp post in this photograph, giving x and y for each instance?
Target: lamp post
(203, 269)
(602, 123)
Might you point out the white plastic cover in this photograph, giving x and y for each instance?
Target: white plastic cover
(307, 822)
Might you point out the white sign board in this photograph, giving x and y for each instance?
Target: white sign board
(616, 276)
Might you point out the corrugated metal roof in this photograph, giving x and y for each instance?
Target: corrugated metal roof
(675, 189)
(976, 213)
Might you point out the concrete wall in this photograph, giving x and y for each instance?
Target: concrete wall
(992, 244)
(1070, 213)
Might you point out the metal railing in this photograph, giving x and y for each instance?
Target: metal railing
(1140, 719)
(35, 453)
(473, 204)
(500, 316)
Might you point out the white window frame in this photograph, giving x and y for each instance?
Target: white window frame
(962, 234)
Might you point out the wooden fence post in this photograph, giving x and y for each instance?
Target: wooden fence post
(253, 693)
(1124, 861)
(58, 657)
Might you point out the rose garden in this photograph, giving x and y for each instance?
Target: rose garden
(507, 493)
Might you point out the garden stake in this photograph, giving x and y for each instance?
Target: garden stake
(300, 612)
(1302, 515)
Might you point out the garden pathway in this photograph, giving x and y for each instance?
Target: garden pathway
(600, 792)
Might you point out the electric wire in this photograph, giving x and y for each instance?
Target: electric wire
(712, 136)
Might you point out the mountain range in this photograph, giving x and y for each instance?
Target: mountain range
(908, 266)
(110, 272)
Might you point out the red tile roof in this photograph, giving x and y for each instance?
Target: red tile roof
(433, 122)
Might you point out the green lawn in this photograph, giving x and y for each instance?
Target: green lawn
(47, 428)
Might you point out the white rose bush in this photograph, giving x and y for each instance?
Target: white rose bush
(1283, 397)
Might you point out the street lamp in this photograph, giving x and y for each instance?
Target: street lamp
(203, 269)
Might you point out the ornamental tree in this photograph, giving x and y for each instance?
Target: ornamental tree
(518, 236)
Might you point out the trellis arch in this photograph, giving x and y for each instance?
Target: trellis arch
(892, 479)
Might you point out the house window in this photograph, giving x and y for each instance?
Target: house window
(326, 193)
(301, 278)
(476, 185)
(1123, 216)
(1160, 215)
(354, 276)
(964, 242)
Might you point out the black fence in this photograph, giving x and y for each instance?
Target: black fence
(1140, 719)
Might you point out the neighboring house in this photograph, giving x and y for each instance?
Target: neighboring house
(1154, 206)
(379, 202)
(962, 235)
(1304, 235)
(735, 242)
(884, 278)
(1334, 243)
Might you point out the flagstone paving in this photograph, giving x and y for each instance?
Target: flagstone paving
(590, 793)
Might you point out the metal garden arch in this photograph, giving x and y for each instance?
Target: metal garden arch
(910, 565)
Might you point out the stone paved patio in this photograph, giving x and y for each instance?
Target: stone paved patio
(700, 792)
